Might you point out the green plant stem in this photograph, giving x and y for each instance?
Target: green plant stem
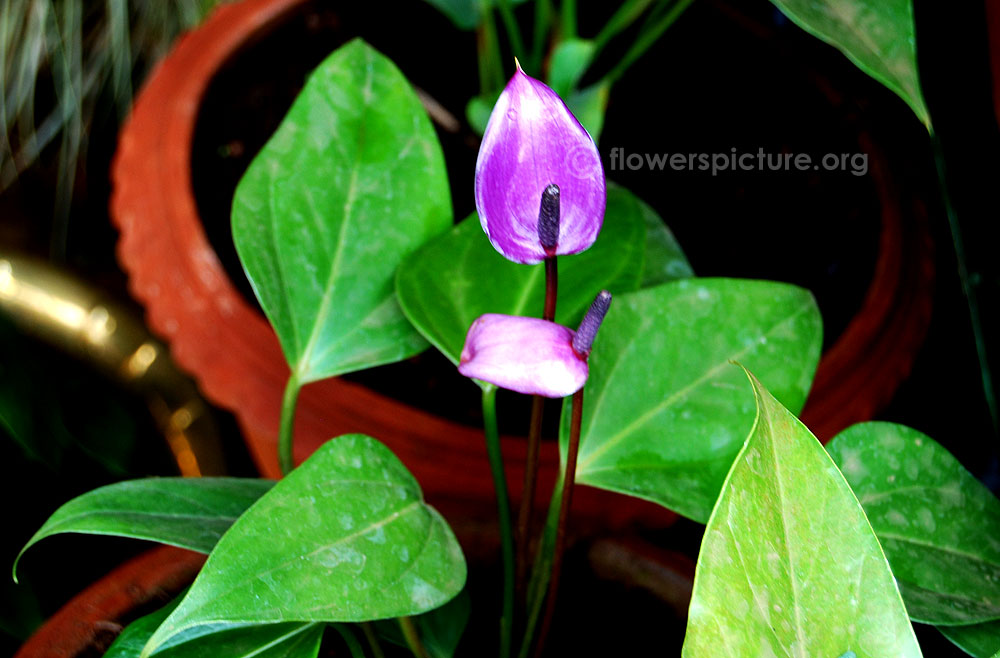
(286, 428)
(968, 287)
(647, 38)
(626, 14)
(534, 437)
(543, 19)
(372, 638)
(568, 22)
(566, 499)
(503, 511)
(412, 637)
(491, 52)
(541, 570)
(353, 646)
(513, 30)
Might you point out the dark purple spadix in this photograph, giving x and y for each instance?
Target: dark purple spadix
(548, 219)
(583, 340)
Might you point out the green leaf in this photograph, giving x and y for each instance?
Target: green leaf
(478, 111)
(979, 640)
(346, 536)
(939, 526)
(674, 443)
(664, 260)
(440, 630)
(879, 36)
(269, 641)
(188, 512)
(456, 278)
(789, 566)
(589, 106)
(569, 61)
(351, 183)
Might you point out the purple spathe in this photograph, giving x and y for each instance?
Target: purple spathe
(527, 355)
(532, 140)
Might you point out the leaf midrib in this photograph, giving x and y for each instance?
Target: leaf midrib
(303, 366)
(675, 396)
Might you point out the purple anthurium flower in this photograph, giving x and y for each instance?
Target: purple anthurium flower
(533, 145)
(530, 355)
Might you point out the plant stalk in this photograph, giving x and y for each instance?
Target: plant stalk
(373, 643)
(353, 646)
(286, 428)
(968, 287)
(565, 501)
(504, 514)
(568, 19)
(412, 637)
(534, 438)
(646, 39)
(513, 30)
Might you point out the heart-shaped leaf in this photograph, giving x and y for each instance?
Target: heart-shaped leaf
(879, 37)
(346, 536)
(978, 640)
(665, 414)
(459, 276)
(789, 565)
(939, 526)
(267, 641)
(351, 183)
(188, 512)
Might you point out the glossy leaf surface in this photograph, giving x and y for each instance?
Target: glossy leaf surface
(789, 565)
(458, 277)
(939, 526)
(879, 36)
(352, 182)
(188, 512)
(666, 412)
(346, 536)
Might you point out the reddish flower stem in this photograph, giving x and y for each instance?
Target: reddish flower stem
(576, 420)
(534, 441)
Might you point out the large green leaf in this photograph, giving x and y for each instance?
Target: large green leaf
(267, 641)
(346, 536)
(879, 36)
(789, 565)
(351, 183)
(665, 413)
(939, 525)
(187, 512)
(978, 640)
(459, 276)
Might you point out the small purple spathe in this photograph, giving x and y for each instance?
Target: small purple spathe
(527, 355)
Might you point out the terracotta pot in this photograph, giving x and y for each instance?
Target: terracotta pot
(90, 622)
(232, 352)
(94, 618)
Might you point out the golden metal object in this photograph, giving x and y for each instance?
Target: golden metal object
(77, 318)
